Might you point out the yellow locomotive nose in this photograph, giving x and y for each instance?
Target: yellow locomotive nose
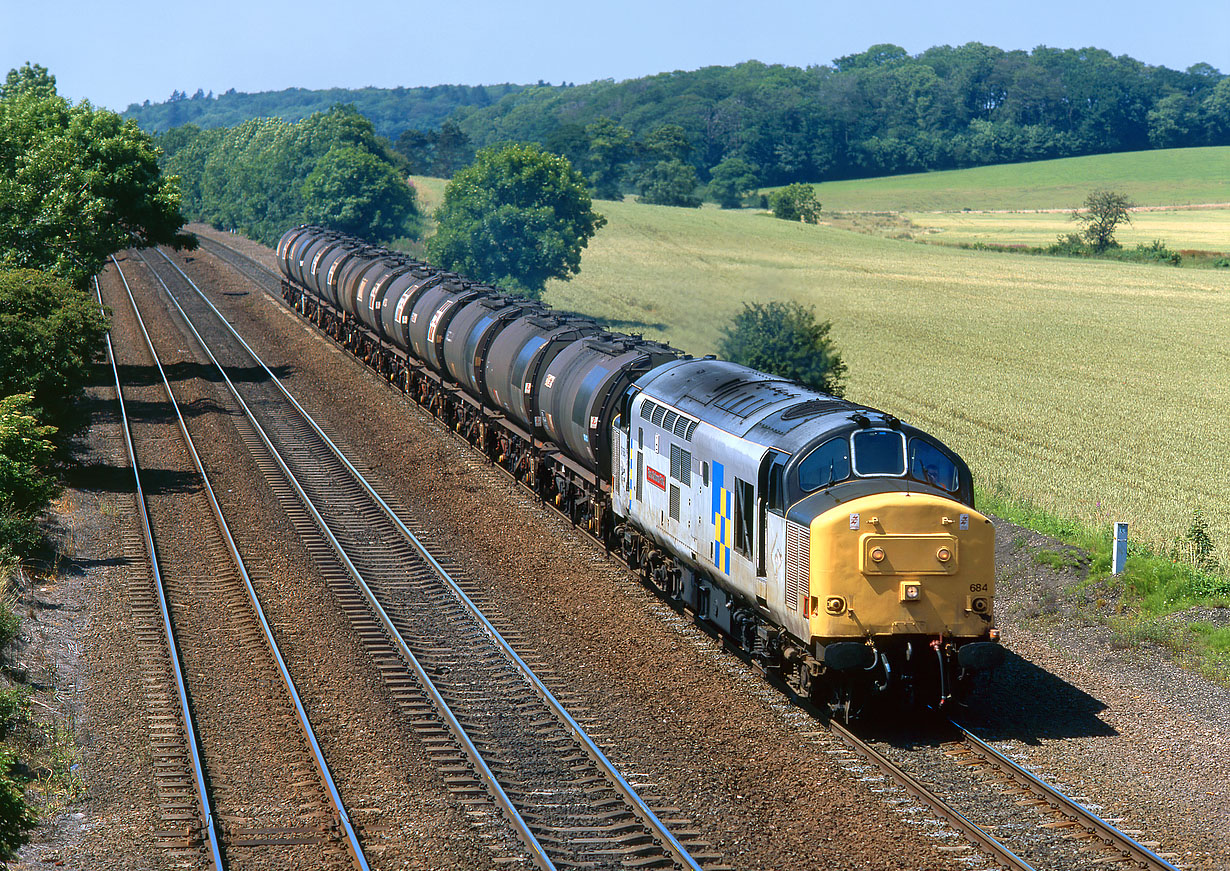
(902, 564)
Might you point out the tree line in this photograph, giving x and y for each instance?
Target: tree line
(878, 112)
(391, 110)
(265, 175)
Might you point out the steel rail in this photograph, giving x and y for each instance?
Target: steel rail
(919, 790)
(322, 766)
(198, 770)
(1097, 826)
(643, 811)
(538, 852)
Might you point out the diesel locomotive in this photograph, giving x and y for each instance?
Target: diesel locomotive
(836, 545)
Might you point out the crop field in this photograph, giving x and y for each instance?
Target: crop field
(1199, 229)
(1169, 177)
(1094, 389)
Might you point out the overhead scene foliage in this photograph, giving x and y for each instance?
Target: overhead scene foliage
(77, 183)
(391, 110)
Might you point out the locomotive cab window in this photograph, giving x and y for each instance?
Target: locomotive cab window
(879, 452)
(929, 465)
(826, 464)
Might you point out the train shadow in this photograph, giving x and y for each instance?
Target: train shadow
(612, 323)
(144, 376)
(106, 478)
(1022, 701)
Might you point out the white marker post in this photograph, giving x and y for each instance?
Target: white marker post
(1119, 553)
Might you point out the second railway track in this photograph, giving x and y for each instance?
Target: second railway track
(239, 777)
(502, 736)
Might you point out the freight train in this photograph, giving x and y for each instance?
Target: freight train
(836, 545)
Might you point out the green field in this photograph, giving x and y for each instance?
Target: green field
(1172, 177)
(1095, 389)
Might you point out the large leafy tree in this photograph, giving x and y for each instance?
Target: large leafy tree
(784, 338)
(354, 191)
(668, 183)
(796, 202)
(76, 183)
(730, 181)
(610, 149)
(516, 217)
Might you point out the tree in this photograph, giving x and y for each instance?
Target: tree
(730, 181)
(453, 150)
(77, 184)
(610, 149)
(669, 183)
(667, 142)
(418, 147)
(49, 333)
(358, 193)
(516, 217)
(1104, 211)
(785, 339)
(26, 485)
(796, 202)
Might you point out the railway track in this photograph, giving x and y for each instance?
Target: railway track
(959, 778)
(508, 747)
(233, 802)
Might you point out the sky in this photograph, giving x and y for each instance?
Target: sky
(115, 54)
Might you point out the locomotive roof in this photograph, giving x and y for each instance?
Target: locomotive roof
(747, 403)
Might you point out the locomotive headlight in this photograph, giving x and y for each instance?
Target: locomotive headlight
(835, 605)
(877, 554)
(911, 592)
(943, 554)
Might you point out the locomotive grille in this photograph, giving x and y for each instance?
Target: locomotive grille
(798, 564)
(674, 502)
(681, 465)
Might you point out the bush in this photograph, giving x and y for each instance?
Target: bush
(796, 202)
(1157, 251)
(785, 339)
(16, 817)
(26, 487)
(50, 332)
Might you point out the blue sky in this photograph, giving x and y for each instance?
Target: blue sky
(119, 53)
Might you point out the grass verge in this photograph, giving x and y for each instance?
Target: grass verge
(1169, 599)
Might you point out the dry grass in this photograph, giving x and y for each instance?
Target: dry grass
(1095, 389)
(1201, 229)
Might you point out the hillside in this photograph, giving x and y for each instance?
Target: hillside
(1166, 177)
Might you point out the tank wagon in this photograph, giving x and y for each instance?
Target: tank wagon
(837, 545)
